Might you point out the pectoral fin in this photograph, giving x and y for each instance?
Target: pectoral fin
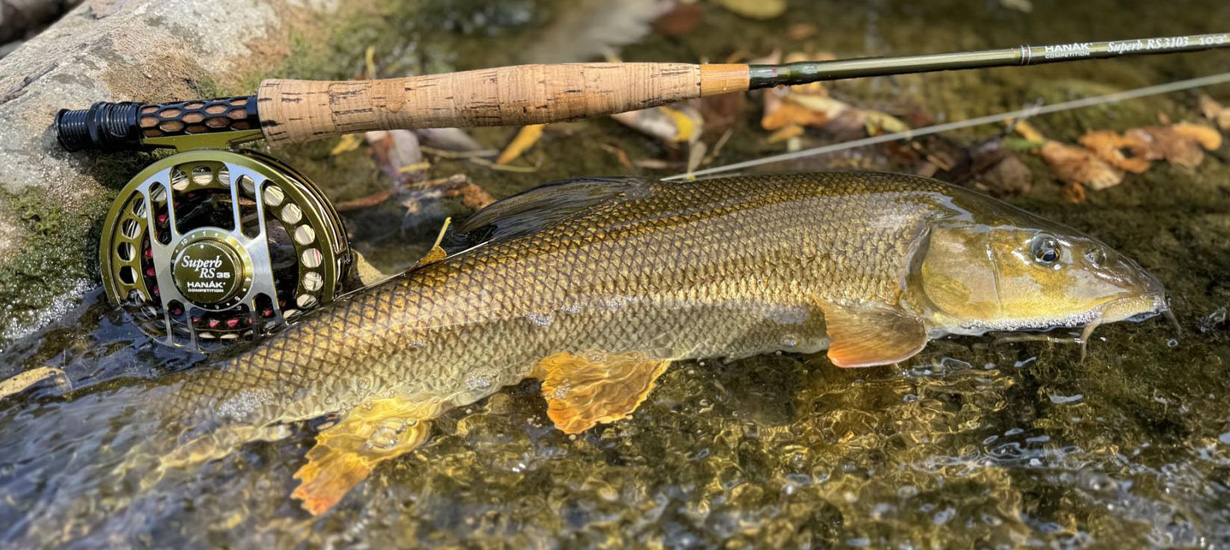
(867, 335)
(347, 452)
(582, 391)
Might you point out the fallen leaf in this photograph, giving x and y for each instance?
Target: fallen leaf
(792, 114)
(398, 155)
(1179, 147)
(681, 20)
(1027, 131)
(1079, 165)
(1215, 112)
(349, 142)
(449, 139)
(1073, 192)
(882, 123)
(819, 103)
(786, 133)
(999, 171)
(801, 31)
(721, 112)
(1109, 146)
(1209, 138)
(525, 138)
(677, 123)
(755, 9)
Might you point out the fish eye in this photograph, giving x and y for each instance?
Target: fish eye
(1045, 249)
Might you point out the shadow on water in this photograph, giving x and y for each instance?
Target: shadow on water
(963, 446)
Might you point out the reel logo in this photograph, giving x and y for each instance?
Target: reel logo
(206, 269)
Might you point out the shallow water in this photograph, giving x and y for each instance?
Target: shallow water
(966, 445)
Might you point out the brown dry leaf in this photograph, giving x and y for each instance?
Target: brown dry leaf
(681, 20)
(721, 112)
(792, 114)
(1109, 146)
(1078, 165)
(1215, 112)
(1073, 192)
(1178, 146)
(999, 171)
(801, 31)
(526, 137)
(755, 9)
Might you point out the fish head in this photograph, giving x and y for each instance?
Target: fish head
(1003, 269)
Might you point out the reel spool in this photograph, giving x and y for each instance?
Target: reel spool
(208, 246)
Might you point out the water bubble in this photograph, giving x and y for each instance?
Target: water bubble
(949, 363)
(1213, 319)
(1172, 343)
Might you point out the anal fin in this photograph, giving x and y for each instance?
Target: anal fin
(868, 335)
(584, 390)
(347, 452)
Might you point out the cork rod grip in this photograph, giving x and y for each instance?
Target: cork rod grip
(294, 111)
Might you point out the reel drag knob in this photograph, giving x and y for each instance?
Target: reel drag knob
(207, 247)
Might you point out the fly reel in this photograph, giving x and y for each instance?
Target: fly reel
(211, 244)
(207, 246)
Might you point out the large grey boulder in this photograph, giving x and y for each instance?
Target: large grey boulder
(113, 50)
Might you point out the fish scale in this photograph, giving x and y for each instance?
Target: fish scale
(720, 267)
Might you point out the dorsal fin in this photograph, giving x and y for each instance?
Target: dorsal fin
(545, 206)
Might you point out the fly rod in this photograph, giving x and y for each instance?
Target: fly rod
(294, 111)
(216, 244)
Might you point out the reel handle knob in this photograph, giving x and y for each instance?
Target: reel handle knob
(104, 126)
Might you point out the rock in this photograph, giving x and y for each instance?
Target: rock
(114, 50)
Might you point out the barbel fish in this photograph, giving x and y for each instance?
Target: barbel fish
(595, 286)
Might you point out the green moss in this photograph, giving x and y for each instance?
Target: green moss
(59, 251)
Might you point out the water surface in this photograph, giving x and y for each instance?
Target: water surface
(966, 445)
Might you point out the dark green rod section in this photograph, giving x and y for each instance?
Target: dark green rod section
(767, 76)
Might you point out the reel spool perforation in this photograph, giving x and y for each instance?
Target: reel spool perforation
(194, 254)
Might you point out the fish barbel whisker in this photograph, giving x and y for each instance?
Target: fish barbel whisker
(1087, 334)
(1174, 321)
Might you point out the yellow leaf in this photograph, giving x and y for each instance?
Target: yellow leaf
(685, 126)
(349, 142)
(882, 123)
(787, 132)
(369, 62)
(1027, 131)
(755, 9)
(525, 139)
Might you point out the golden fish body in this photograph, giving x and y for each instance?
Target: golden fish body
(586, 282)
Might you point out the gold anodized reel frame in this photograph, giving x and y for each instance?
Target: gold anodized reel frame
(143, 235)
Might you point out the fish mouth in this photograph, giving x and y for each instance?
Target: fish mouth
(1135, 309)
